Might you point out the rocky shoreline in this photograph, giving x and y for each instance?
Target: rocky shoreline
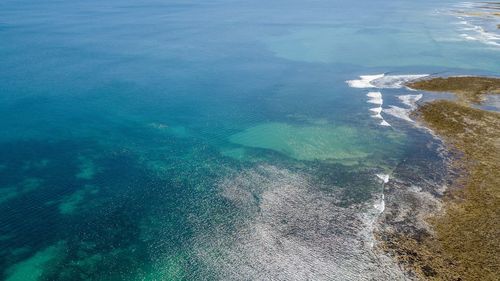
(442, 222)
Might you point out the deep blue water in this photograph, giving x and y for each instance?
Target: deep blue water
(209, 140)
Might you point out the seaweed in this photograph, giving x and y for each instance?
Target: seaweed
(465, 237)
(467, 88)
(469, 230)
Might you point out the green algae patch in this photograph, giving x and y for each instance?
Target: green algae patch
(467, 88)
(305, 142)
(35, 267)
(466, 239)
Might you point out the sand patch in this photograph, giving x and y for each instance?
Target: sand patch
(305, 142)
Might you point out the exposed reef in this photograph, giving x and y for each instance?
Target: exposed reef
(467, 88)
(454, 235)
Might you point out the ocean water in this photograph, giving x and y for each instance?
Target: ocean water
(213, 140)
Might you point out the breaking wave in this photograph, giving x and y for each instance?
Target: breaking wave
(396, 81)
(410, 100)
(375, 98)
(385, 123)
(473, 32)
(398, 112)
(377, 111)
(404, 113)
(383, 177)
(383, 81)
(365, 81)
(478, 22)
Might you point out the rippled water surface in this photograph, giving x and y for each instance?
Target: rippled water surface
(211, 140)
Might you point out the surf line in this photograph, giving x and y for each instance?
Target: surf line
(376, 98)
(385, 81)
(378, 209)
(380, 206)
(410, 101)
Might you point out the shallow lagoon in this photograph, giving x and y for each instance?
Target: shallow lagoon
(205, 141)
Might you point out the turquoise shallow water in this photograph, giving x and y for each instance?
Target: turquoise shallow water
(215, 140)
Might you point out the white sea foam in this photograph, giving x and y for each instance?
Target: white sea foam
(384, 123)
(477, 22)
(479, 34)
(375, 98)
(410, 100)
(382, 81)
(468, 37)
(389, 81)
(383, 177)
(364, 81)
(371, 217)
(398, 112)
(395, 81)
(376, 101)
(466, 5)
(374, 95)
(377, 111)
(404, 113)
(474, 32)
(380, 205)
